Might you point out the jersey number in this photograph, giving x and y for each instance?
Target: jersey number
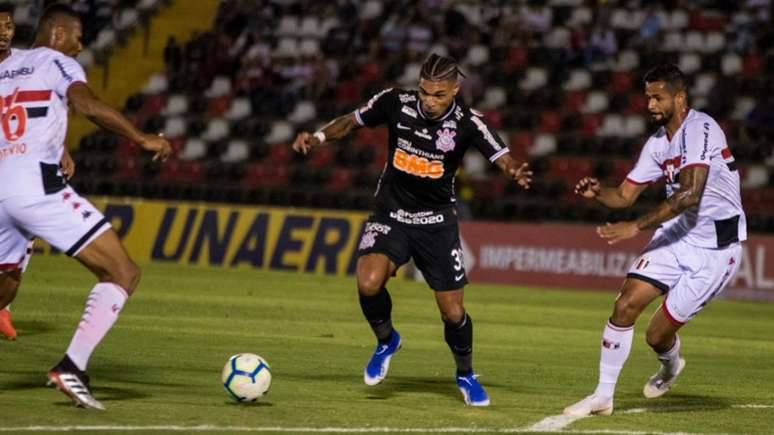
(13, 116)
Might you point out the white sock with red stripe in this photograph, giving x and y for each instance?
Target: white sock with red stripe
(102, 307)
(616, 344)
(671, 358)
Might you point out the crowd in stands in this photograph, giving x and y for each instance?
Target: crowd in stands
(560, 80)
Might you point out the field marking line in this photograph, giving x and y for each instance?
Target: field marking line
(554, 423)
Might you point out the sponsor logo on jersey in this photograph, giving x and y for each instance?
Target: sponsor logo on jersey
(642, 263)
(445, 141)
(409, 111)
(407, 98)
(13, 150)
(417, 218)
(415, 165)
(706, 141)
(12, 74)
(370, 104)
(403, 127)
(368, 240)
(423, 134)
(458, 113)
(450, 124)
(376, 227)
(485, 131)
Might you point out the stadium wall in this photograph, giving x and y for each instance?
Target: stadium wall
(325, 241)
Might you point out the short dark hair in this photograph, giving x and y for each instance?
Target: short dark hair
(6, 8)
(437, 68)
(54, 11)
(670, 74)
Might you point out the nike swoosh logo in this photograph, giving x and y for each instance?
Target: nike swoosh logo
(458, 277)
(403, 127)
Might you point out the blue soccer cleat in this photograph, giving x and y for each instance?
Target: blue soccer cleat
(376, 370)
(472, 391)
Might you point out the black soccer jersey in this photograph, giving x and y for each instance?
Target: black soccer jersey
(417, 184)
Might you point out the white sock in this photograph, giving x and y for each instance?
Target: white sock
(616, 344)
(670, 359)
(102, 307)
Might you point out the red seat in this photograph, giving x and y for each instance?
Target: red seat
(517, 58)
(521, 142)
(341, 179)
(549, 122)
(127, 169)
(494, 118)
(279, 154)
(154, 104)
(219, 106)
(590, 124)
(265, 175)
(574, 101)
(323, 156)
(622, 82)
(637, 104)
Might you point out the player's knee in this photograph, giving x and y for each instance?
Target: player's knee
(127, 276)
(660, 341)
(626, 311)
(369, 282)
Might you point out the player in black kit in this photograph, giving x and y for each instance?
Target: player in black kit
(415, 215)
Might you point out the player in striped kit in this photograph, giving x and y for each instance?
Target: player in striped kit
(696, 248)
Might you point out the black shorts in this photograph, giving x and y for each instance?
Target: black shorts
(436, 250)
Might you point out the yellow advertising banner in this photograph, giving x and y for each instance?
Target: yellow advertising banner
(321, 241)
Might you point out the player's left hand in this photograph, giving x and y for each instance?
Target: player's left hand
(67, 165)
(617, 232)
(521, 174)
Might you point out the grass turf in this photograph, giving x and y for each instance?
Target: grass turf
(537, 351)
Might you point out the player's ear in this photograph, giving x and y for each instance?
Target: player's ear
(58, 35)
(456, 88)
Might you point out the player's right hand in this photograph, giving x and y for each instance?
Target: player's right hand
(588, 187)
(157, 143)
(304, 142)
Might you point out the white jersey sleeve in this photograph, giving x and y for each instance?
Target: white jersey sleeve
(697, 143)
(647, 169)
(62, 72)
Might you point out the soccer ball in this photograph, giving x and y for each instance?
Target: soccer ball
(246, 377)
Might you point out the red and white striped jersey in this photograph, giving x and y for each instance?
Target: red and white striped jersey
(719, 219)
(33, 91)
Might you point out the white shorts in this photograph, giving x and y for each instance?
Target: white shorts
(688, 275)
(64, 219)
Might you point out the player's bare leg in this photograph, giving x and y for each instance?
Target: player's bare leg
(373, 271)
(662, 337)
(118, 277)
(616, 344)
(458, 332)
(9, 284)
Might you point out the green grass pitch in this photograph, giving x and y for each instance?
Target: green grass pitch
(536, 350)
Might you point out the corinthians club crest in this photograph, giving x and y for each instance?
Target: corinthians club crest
(445, 141)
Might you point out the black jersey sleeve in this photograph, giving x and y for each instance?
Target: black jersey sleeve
(485, 139)
(378, 109)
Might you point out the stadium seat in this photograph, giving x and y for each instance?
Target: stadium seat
(288, 25)
(217, 107)
(543, 145)
(579, 79)
(280, 131)
(217, 129)
(237, 151)
(177, 104)
(303, 112)
(596, 102)
(477, 55)
(240, 108)
(219, 87)
(689, 62)
(534, 78)
(634, 126)
(311, 27)
(702, 85)
(731, 64)
(286, 48)
(174, 127)
(612, 125)
(193, 149)
(157, 84)
(309, 47)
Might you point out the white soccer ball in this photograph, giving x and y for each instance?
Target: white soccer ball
(246, 377)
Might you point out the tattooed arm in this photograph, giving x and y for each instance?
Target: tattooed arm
(692, 182)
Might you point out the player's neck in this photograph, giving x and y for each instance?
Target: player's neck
(674, 124)
(5, 54)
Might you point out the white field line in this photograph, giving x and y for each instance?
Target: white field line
(553, 423)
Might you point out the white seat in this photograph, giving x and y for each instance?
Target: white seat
(757, 176)
(714, 42)
(634, 126)
(281, 131)
(157, 83)
(535, 78)
(22, 14)
(217, 129)
(703, 84)
(627, 60)
(174, 127)
(694, 41)
(86, 58)
(439, 49)
(742, 107)
(596, 102)
(558, 37)
(105, 39)
(127, 19)
(288, 26)
(476, 166)
(310, 27)
(193, 149)
(303, 112)
(612, 125)
(220, 86)
(148, 5)
(689, 62)
(731, 64)
(673, 41)
(619, 18)
(286, 47)
(237, 151)
(309, 47)
(478, 55)
(240, 108)
(494, 97)
(581, 16)
(371, 9)
(543, 145)
(579, 79)
(177, 104)
(678, 20)
(410, 74)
